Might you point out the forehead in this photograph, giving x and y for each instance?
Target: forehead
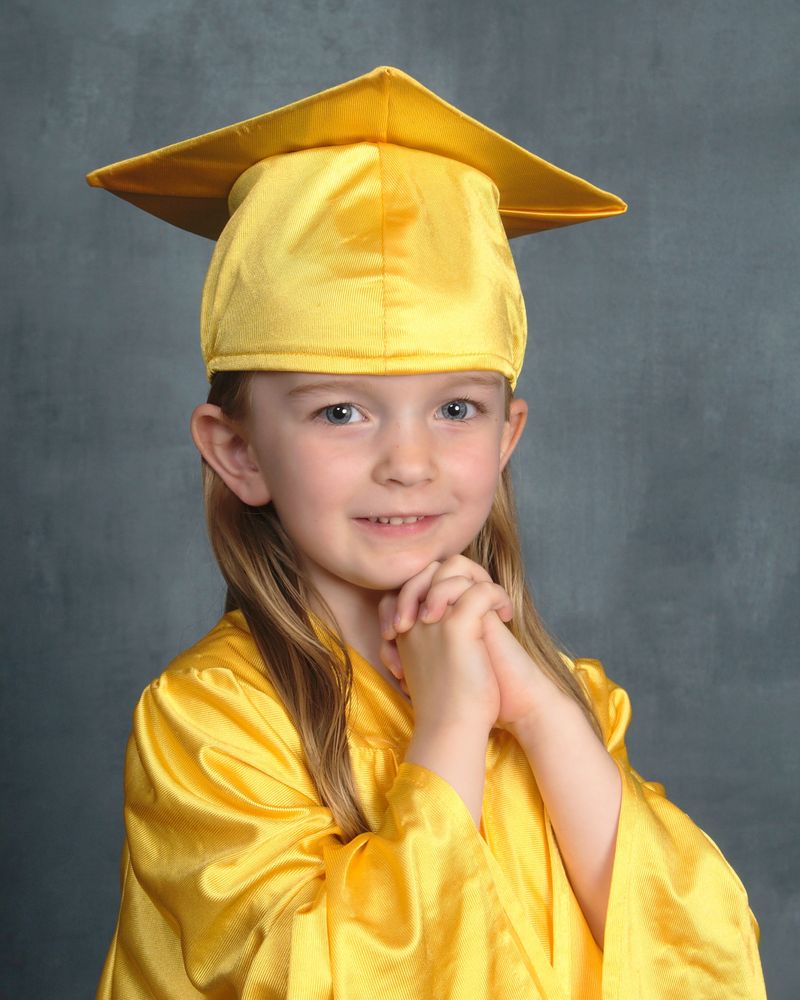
(301, 385)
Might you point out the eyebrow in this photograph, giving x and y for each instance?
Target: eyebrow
(490, 380)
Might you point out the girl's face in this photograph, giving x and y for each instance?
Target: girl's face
(339, 455)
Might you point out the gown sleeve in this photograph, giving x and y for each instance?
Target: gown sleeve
(678, 923)
(229, 841)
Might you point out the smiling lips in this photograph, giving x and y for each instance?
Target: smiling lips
(395, 519)
(398, 524)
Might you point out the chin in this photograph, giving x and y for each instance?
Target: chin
(389, 583)
(399, 575)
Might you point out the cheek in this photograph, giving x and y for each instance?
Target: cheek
(288, 462)
(313, 480)
(477, 468)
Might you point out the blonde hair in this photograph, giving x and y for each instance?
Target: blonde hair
(261, 569)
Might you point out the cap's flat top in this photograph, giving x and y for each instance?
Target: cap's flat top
(187, 183)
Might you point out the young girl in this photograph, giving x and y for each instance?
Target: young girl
(377, 775)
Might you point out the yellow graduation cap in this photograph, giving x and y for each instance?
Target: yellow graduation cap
(361, 230)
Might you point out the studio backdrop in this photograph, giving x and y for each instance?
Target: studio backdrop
(657, 481)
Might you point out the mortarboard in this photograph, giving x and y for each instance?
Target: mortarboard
(363, 229)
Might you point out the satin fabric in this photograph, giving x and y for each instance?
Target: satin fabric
(363, 229)
(188, 183)
(235, 883)
(369, 258)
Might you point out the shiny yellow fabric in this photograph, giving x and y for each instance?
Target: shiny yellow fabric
(235, 883)
(363, 229)
(363, 259)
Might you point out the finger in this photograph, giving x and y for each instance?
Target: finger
(479, 599)
(461, 566)
(493, 626)
(390, 658)
(442, 594)
(387, 607)
(414, 592)
(411, 595)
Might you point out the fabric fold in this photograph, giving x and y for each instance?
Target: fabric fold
(238, 884)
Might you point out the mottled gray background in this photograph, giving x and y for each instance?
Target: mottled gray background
(659, 478)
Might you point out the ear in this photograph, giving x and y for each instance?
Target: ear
(222, 444)
(512, 430)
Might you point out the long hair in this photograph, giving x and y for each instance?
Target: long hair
(261, 568)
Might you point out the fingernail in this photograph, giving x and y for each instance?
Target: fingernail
(398, 622)
(423, 612)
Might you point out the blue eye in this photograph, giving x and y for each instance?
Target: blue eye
(458, 409)
(341, 413)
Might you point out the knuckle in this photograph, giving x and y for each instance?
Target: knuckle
(451, 564)
(460, 565)
(449, 585)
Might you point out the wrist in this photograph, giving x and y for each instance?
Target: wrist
(558, 721)
(457, 753)
(544, 717)
(523, 729)
(452, 727)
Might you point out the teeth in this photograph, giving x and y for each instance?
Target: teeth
(396, 520)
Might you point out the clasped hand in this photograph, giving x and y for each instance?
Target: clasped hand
(444, 639)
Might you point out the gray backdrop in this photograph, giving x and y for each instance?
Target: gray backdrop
(658, 482)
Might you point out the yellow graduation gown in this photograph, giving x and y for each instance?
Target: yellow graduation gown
(235, 883)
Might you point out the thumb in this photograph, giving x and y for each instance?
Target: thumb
(390, 658)
(387, 607)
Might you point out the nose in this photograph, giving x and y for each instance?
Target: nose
(406, 454)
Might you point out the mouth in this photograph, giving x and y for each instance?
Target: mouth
(400, 525)
(394, 518)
